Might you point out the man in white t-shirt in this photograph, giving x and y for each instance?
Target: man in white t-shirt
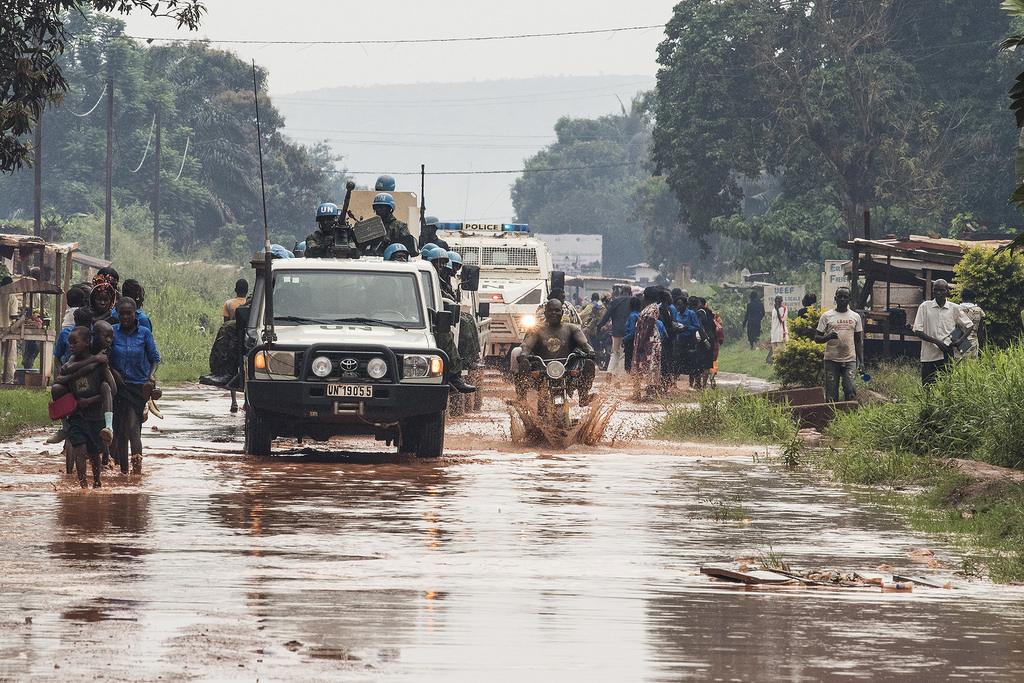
(935, 322)
(842, 332)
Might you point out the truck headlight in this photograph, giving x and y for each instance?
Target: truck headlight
(275, 362)
(528, 321)
(321, 366)
(418, 367)
(376, 368)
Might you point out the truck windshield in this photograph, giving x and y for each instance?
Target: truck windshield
(330, 296)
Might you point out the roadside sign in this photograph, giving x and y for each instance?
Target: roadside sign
(791, 296)
(832, 278)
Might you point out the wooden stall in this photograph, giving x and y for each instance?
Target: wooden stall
(890, 278)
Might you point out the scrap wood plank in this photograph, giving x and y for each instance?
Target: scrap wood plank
(920, 581)
(754, 577)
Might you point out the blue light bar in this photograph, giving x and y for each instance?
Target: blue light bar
(515, 227)
(449, 226)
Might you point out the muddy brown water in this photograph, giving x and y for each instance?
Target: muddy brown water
(348, 562)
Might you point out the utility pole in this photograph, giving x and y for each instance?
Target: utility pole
(108, 204)
(156, 186)
(37, 228)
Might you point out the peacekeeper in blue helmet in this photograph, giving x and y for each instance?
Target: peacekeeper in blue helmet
(320, 243)
(396, 252)
(385, 183)
(398, 232)
(429, 233)
(438, 258)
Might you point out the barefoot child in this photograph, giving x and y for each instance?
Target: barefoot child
(87, 377)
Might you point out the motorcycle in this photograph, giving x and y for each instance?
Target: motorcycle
(552, 378)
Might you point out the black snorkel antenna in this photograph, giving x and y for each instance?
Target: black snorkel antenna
(269, 336)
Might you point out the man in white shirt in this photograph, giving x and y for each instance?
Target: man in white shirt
(842, 332)
(935, 322)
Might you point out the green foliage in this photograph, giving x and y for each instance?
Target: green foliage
(806, 325)
(975, 411)
(898, 379)
(873, 468)
(997, 279)
(21, 408)
(33, 35)
(845, 105)
(595, 200)
(740, 418)
(205, 98)
(800, 363)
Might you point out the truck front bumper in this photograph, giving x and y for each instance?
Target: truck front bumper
(308, 401)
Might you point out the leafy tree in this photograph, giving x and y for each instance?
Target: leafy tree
(33, 35)
(209, 195)
(850, 105)
(612, 153)
(997, 279)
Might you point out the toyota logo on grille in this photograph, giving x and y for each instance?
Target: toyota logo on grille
(349, 364)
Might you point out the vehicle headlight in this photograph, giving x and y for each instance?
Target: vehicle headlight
(555, 369)
(528, 321)
(275, 362)
(376, 368)
(418, 367)
(322, 366)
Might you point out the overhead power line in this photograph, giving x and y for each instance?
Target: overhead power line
(145, 152)
(498, 172)
(403, 41)
(98, 100)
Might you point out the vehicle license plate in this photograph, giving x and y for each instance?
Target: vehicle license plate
(350, 390)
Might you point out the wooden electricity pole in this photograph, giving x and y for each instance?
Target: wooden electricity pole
(37, 226)
(108, 204)
(156, 186)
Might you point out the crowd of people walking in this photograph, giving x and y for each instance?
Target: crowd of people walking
(657, 336)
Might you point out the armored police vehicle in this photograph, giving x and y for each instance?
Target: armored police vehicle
(515, 274)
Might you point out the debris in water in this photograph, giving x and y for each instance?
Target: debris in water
(828, 578)
(293, 645)
(921, 553)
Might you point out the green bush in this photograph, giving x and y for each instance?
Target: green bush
(804, 326)
(730, 416)
(997, 279)
(800, 363)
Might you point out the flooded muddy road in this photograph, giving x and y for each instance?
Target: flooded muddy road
(348, 562)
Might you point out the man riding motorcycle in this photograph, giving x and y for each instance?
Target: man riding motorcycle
(556, 339)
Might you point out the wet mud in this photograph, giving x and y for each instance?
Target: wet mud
(344, 561)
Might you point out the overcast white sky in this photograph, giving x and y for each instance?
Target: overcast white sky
(295, 68)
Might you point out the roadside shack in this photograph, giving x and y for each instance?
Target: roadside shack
(889, 278)
(42, 305)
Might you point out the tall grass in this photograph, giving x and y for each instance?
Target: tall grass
(21, 408)
(735, 417)
(738, 357)
(974, 411)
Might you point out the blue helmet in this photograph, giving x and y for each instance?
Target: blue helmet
(300, 247)
(455, 258)
(436, 253)
(431, 220)
(384, 199)
(396, 248)
(385, 183)
(327, 212)
(425, 251)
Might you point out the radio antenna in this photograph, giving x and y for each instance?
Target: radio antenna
(269, 337)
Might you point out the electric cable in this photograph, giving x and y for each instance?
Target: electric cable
(498, 172)
(403, 41)
(183, 157)
(152, 127)
(98, 100)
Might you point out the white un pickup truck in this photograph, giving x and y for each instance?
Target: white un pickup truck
(355, 352)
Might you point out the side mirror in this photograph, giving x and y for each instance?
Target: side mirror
(242, 314)
(442, 321)
(454, 309)
(557, 281)
(470, 278)
(484, 310)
